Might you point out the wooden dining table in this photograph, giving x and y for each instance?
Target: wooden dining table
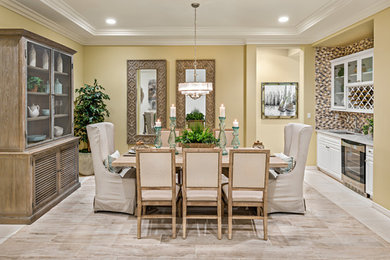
(127, 160)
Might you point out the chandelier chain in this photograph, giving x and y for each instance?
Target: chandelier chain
(195, 62)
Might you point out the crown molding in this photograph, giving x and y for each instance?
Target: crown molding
(323, 12)
(72, 15)
(378, 6)
(40, 19)
(182, 36)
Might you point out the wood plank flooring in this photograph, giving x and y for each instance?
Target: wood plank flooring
(71, 230)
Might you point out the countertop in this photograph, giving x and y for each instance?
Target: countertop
(359, 138)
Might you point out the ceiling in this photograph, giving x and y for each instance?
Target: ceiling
(170, 22)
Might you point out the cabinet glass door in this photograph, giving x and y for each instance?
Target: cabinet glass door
(38, 93)
(62, 94)
(367, 69)
(338, 91)
(353, 71)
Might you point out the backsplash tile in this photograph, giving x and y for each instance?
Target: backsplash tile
(325, 118)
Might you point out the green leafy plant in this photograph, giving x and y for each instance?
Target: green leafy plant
(89, 108)
(195, 115)
(369, 127)
(197, 134)
(32, 82)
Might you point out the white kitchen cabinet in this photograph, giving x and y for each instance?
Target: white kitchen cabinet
(369, 169)
(352, 82)
(329, 155)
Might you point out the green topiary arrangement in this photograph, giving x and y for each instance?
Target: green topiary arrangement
(195, 115)
(197, 134)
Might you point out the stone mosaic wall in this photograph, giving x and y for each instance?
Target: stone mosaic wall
(325, 118)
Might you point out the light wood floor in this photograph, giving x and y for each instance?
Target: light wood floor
(71, 230)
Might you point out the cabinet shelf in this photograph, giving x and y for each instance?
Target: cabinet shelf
(37, 69)
(61, 73)
(37, 93)
(61, 115)
(38, 118)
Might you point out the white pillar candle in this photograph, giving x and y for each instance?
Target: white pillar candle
(173, 111)
(235, 123)
(222, 111)
(158, 123)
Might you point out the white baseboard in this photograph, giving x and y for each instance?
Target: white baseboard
(381, 209)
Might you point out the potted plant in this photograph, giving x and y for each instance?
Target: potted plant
(369, 127)
(33, 83)
(89, 108)
(195, 118)
(197, 137)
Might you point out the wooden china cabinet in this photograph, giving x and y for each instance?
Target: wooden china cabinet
(38, 151)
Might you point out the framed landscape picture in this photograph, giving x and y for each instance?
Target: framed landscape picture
(279, 100)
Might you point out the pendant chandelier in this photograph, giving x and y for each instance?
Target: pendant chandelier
(195, 89)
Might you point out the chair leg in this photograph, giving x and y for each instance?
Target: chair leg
(143, 210)
(139, 220)
(174, 220)
(258, 211)
(265, 226)
(179, 207)
(219, 210)
(230, 220)
(184, 219)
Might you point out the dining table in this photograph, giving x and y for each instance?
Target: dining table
(129, 160)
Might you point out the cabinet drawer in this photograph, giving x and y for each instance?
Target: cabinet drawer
(334, 142)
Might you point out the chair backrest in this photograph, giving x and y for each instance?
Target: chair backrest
(229, 136)
(249, 168)
(296, 142)
(101, 141)
(165, 136)
(156, 167)
(202, 168)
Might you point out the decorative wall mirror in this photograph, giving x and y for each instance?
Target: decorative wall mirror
(146, 98)
(206, 104)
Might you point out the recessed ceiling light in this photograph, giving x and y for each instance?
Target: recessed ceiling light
(283, 19)
(110, 21)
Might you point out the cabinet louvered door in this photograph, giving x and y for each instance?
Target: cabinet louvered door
(45, 178)
(69, 166)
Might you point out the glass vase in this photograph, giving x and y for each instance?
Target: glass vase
(172, 134)
(222, 135)
(158, 141)
(236, 140)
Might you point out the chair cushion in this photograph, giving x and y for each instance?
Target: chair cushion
(159, 194)
(238, 195)
(288, 159)
(202, 195)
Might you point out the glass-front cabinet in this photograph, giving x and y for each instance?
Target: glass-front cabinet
(49, 94)
(352, 82)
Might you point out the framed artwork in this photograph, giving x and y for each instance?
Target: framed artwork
(279, 100)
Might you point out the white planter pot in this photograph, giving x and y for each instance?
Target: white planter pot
(85, 164)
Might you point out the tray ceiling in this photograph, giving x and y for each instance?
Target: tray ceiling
(170, 22)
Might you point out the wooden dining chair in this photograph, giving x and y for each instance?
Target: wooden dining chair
(165, 136)
(247, 186)
(156, 184)
(202, 183)
(229, 136)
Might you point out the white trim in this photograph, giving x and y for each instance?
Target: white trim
(23, 10)
(320, 14)
(210, 35)
(311, 168)
(381, 209)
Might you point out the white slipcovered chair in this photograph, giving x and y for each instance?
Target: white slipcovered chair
(285, 191)
(112, 193)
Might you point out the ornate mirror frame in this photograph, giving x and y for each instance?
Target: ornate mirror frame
(181, 67)
(132, 67)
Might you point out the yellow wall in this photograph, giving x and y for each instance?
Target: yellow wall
(275, 65)
(309, 100)
(381, 114)
(108, 65)
(9, 19)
